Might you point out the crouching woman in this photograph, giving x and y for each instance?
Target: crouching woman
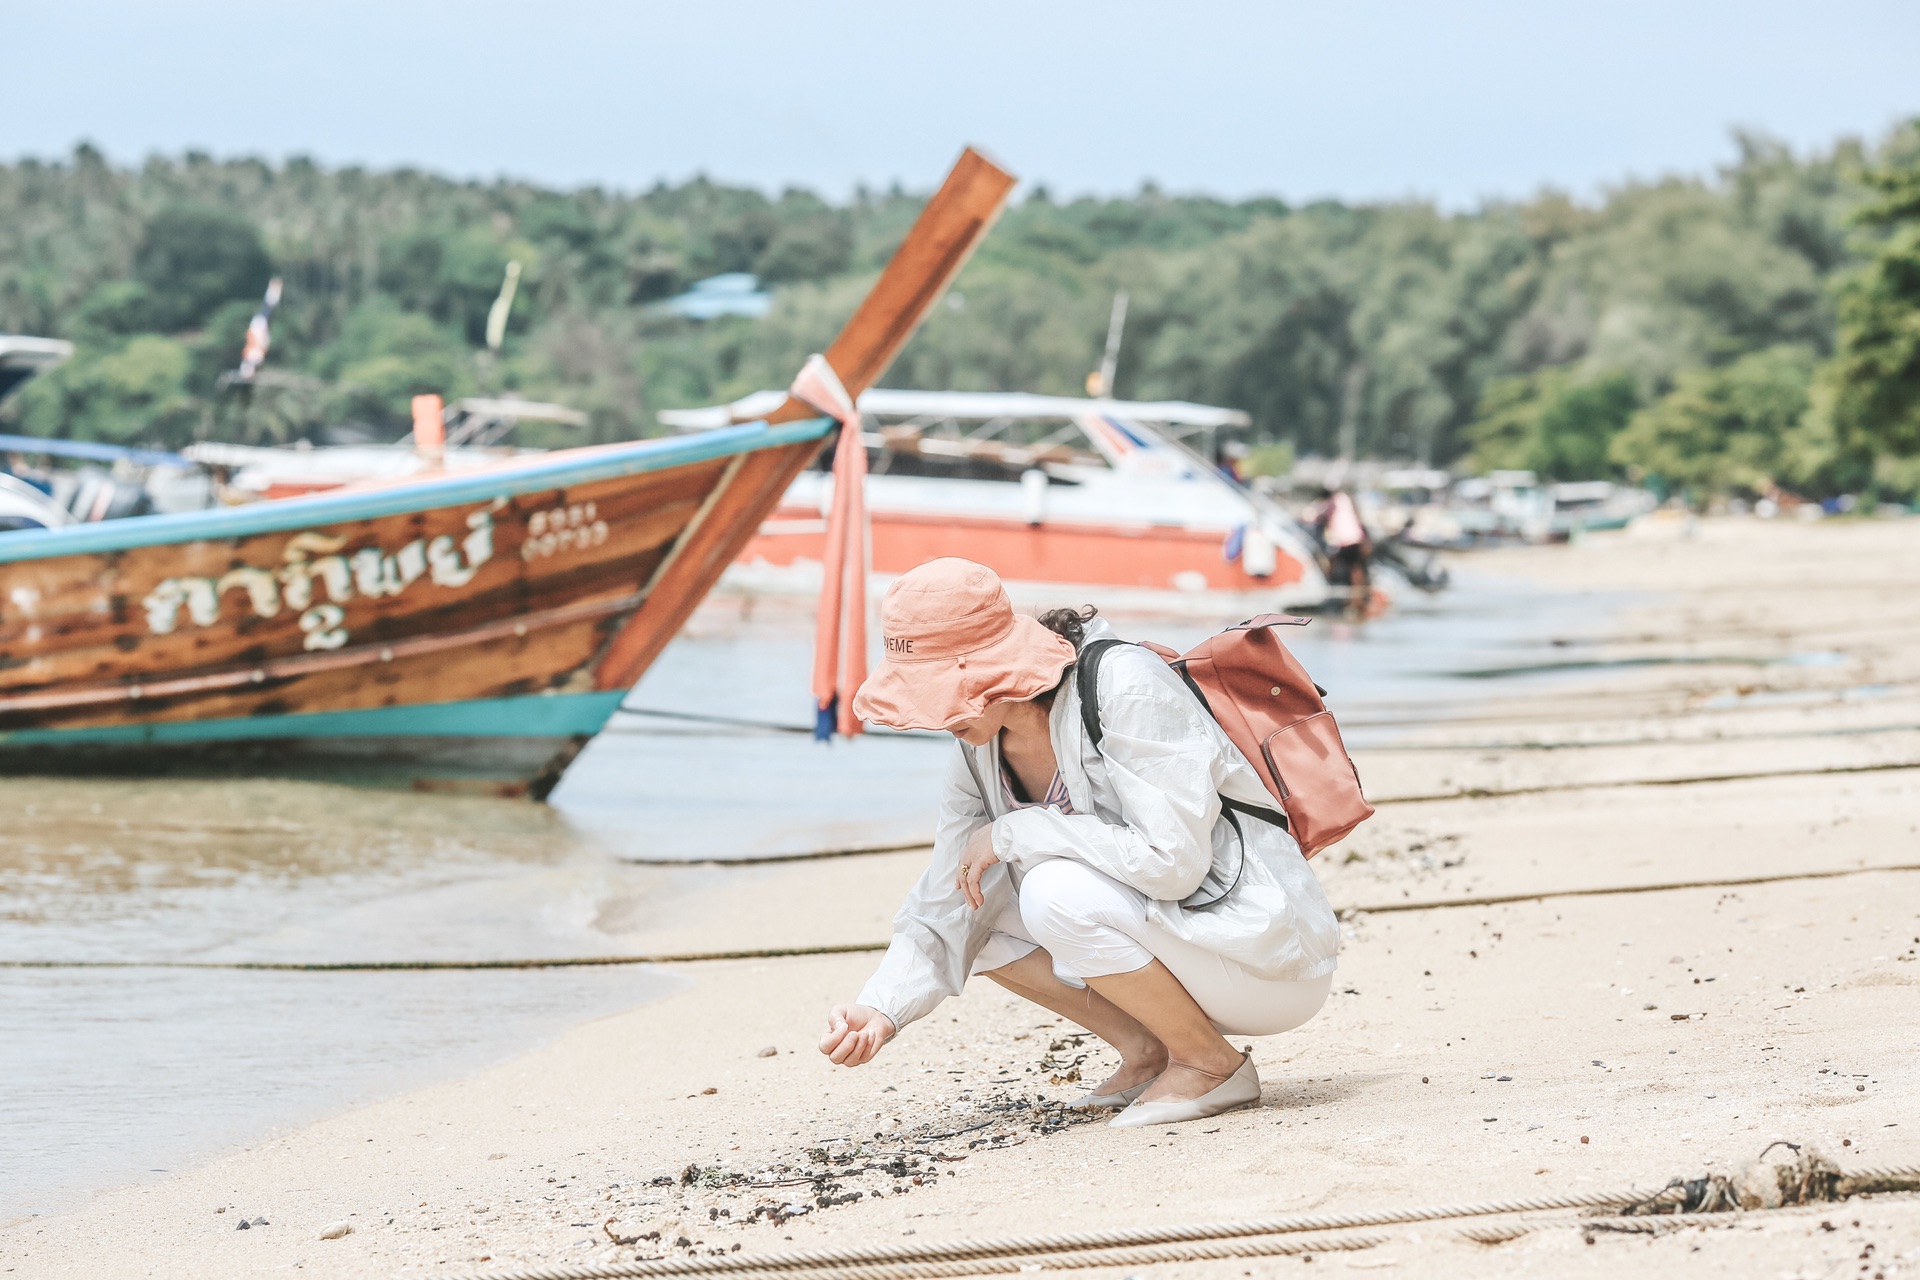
(1107, 883)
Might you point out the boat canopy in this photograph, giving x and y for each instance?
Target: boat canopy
(974, 405)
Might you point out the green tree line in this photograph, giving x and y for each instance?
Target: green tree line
(1721, 333)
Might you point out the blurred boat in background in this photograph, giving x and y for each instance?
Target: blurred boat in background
(111, 482)
(1428, 509)
(475, 430)
(1515, 506)
(1052, 490)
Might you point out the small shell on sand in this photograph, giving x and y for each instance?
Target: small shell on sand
(334, 1230)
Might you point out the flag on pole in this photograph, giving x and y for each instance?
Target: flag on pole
(259, 336)
(497, 314)
(840, 630)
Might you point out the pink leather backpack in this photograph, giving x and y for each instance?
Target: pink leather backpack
(1272, 710)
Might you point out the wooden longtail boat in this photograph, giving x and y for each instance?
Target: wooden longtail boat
(467, 630)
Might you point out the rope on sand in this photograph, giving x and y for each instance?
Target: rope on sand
(855, 948)
(1498, 899)
(1463, 793)
(1109, 1248)
(736, 722)
(1776, 735)
(1496, 793)
(933, 1269)
(763, 859)
(376, 966)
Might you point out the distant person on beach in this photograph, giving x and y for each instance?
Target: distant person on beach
(1348, 546)
(1063, 870)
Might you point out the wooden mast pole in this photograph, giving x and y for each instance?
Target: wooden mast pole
(946, 233)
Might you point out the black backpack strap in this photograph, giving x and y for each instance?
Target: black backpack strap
(1274, 816)
(1086, 678)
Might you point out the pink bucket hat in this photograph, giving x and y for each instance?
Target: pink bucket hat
(954, 646)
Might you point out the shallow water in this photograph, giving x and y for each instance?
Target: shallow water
(118, 1075)
(750, 661)
(114, 1075)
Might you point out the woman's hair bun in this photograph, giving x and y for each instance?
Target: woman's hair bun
(1070, 624)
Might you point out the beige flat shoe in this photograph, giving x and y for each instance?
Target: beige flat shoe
(1241, 1089)
(1095, 1101)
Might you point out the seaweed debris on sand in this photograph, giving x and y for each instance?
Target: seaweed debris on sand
(840, 1171)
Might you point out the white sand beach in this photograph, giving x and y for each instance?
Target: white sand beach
(1635, 927)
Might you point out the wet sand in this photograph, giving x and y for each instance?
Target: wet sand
(1631, 927)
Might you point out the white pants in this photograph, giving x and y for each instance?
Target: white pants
(1094, 926)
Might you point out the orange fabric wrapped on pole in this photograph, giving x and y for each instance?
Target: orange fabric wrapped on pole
(840, 631)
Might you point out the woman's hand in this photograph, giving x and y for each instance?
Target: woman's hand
(974, 861)
(855, 1033)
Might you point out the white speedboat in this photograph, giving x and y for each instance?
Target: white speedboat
(1051, 490)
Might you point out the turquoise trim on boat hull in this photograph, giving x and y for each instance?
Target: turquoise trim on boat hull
(566, 467)
(557, 715)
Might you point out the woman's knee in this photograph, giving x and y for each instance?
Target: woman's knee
(1061, 898)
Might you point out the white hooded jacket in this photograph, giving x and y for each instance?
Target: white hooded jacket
(1148, 814)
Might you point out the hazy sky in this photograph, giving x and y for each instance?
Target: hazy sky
(1452, 100)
